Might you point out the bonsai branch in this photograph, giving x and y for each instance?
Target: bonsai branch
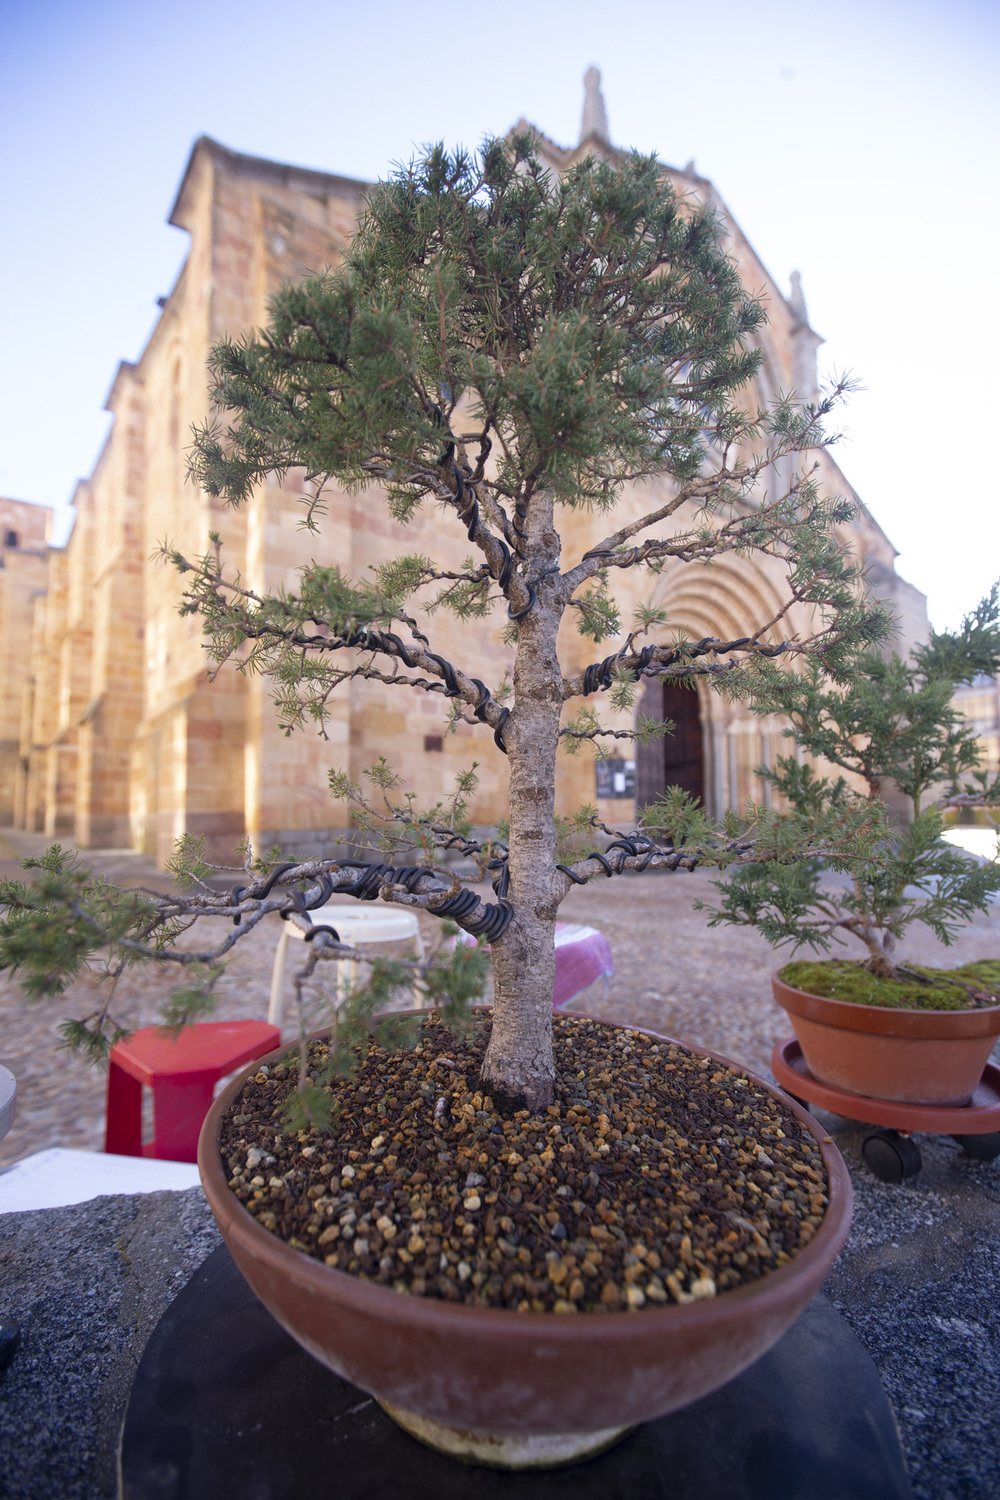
(248, 620)
(455, 484)
(639, 853)
(569, 732)
(682, 661)
(732, 484)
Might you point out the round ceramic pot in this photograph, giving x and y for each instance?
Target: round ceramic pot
(520, 1389)
(911, 1056)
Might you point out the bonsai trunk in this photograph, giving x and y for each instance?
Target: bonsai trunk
(879, 953)
(518, 1069)
(880, 949)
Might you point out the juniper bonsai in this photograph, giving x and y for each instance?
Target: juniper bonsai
(510, 348)
(893, 725)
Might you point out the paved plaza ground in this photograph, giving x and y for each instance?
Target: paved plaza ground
(707, 987)
(917, 1280)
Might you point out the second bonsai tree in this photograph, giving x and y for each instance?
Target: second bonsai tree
(892, 733)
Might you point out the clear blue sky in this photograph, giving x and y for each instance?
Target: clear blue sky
(856, 142)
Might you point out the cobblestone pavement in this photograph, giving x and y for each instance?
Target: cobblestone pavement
(709, 988)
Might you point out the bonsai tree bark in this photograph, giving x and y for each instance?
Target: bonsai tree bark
(513, 348)
(894, 724)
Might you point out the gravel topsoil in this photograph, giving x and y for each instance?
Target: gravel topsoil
(656, 1174)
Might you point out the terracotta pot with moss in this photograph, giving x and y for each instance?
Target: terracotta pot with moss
(919, 1040)
(625, 1302)
(881, 1026)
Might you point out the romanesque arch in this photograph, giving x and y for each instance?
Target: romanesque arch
(730, 599)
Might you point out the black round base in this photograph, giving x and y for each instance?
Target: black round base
(225, 1404)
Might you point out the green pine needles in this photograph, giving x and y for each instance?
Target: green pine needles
(893, 728)
(597, 321)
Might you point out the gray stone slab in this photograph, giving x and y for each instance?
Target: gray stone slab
(87, 1284)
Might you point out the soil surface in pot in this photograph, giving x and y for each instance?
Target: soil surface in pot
(970, 987)
(657, 1175)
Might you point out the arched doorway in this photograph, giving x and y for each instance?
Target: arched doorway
(677, 759)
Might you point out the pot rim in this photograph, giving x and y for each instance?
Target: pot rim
(423, 1312)
(938, 1022)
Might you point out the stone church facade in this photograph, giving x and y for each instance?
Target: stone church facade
(111, 731)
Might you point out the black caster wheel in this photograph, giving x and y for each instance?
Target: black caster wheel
(890, 1156)
(980, 1147)
(10, 1337)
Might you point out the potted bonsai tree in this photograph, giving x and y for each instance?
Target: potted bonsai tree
(517, 352)
(869, 1021)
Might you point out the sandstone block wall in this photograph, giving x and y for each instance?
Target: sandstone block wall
(24, 534)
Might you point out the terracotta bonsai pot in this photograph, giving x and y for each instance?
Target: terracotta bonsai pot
(912, 1056)
(520, 1389)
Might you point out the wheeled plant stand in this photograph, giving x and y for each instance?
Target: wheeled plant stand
(889, 1152)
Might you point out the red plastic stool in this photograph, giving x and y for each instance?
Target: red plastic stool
(182, 1073)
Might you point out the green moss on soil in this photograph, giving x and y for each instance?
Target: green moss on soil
(839, 979)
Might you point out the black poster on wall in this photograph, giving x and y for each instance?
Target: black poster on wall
(615, 778)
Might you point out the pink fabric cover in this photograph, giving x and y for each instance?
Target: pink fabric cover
(582, 955)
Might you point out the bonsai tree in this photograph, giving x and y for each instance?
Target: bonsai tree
(512, 349)
(894, 724)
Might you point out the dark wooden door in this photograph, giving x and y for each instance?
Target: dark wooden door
(683, 761)
(678, 759)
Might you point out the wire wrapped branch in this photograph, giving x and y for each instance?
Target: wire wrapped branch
(456, 484)
(679, 661)
(592, 734)
(732, 485)
(367, 881)
(248, 620)
(246, 906)
(638, 852)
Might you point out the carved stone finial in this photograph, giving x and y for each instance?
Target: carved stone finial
(595, 114)
(805, 343)
(797, 299)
